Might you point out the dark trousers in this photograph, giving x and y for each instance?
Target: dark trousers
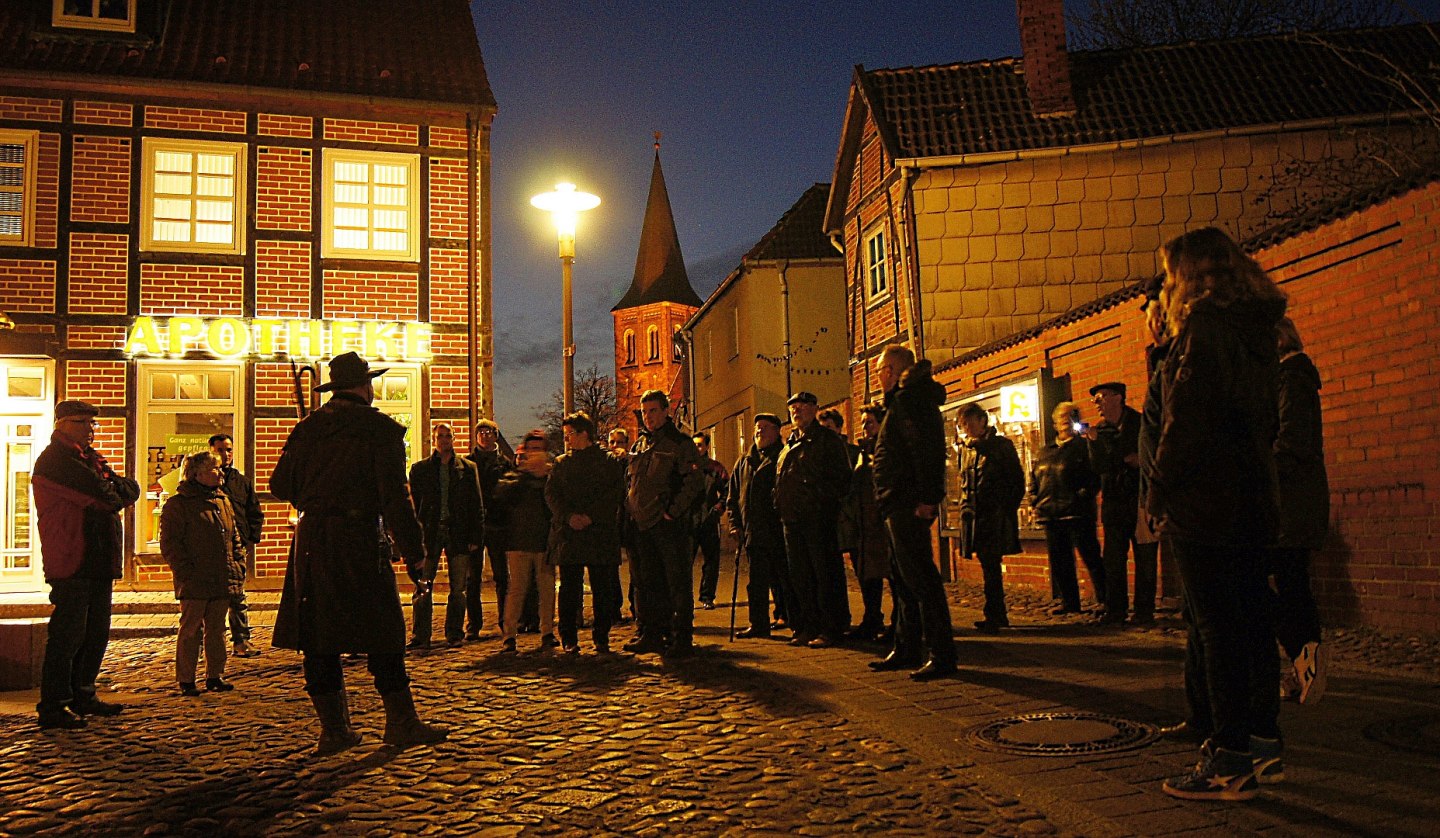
(1062, 540)
(240, 609)
(1229, 605)
(992, 570)
(924, 618)
(605, 596)
(1297, 618)
(664, 585)
(422, 602)
(500, 571)
(707, 543)
(872, 594)
(1119, 541)
(767, 568)
(817, 577)
(79, 633)
(323, 675)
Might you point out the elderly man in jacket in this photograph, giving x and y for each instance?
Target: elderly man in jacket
(992, 484)
(78, 498)
(585, 491)
(343, 467)
(445, 489)
(756, 525)
(664, 484)
(909, 486)
(812, 480)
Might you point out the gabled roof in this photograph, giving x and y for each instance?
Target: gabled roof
(405, 49)
(660, 275)
(799, 234)
(1132, 94)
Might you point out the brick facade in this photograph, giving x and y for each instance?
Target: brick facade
(29, 285)
(283, 188)
(207, 290)
(100, 180)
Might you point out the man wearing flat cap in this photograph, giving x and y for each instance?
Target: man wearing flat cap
(343, 468)
(78, 498)
(1114, 453)
(812, 478)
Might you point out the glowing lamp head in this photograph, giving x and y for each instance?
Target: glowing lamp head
(565, 206)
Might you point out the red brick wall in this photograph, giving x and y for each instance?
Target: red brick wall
(273, 550)
(110, 441)
(273, 385)
(29, 109)
(100, 180)
(99, 265)
(441, 137)
(214, 290)
(280, 125)
(270, 436)
(282, 188)
(104, 113)
(448, 197)
(371, 295)
(282, 279)
(365, 131)
(101, 383)
(448, 385)
(195, 119)
(447, 286)
(29, 285)
(47, 192)
(95, 337)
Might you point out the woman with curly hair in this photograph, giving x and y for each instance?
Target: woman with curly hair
(1213, 486)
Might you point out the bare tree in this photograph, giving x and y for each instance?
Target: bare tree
(1107, 24)
(594, 396)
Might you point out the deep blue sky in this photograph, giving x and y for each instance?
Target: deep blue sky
(750, 97)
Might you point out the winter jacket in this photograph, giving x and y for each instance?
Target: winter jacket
(492, 465)
(992, 484)
(663, 477)
(910, 448)
(588, 482)
(201, 542)
(78, 499)
(1300, 456)
(1214, 472)
(751, 500)
(1119, 481)
(465, 517)
(249, 516)
(812, 476)
(712, 496)
(520, 499)
(1062, 483)
(862, 529)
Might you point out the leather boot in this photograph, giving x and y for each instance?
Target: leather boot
(336, 734)
(402, 727)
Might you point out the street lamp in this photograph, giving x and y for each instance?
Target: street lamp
(565, 206)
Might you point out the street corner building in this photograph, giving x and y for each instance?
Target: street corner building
(195, 196)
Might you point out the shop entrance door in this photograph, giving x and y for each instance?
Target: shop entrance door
(26, 399)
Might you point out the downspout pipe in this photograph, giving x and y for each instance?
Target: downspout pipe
(472, 158)
(785, 324)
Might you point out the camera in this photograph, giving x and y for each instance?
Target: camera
(1079, 427)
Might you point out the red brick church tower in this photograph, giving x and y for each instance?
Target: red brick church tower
(658, 303)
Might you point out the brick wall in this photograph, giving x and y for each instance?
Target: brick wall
(282, 279)
(371, 295)
(47, 192)
(99, 266)
(448, 198)
(273, 385)
(273, 551)
(30, 109)
(448, 386)
(448, 298)
(101, 383)
(29, 285)
(366, 131)
(195, 119)
(100, 180)
(270, 436)
(281, 125)
(214, 290)
(110, 442)
(104, 113)
(95, 337)
(282, 188)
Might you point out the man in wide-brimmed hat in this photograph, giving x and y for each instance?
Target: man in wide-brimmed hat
(343, 467)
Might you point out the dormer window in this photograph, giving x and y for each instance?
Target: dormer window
(105, 15)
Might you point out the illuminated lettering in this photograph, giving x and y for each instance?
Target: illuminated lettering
(228, 337)
(305, 338)
(236, 337)
(344, 336)
(144, 337)
(184, 330)
(266, 334)
(417, 340)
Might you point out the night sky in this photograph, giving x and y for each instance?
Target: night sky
(750, 97)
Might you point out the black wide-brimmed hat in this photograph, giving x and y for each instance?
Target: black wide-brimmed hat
(348, 370)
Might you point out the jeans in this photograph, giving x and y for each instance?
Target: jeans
(422, 601)
(1233, 636)
(500, 571)
(240, 609)
(707, 542)
(664, 570)
(1119, 536)
(78, 635)
(924, 612)
(323, 675)
(817, 577)
(605, 596)
(201, 617)
(1062, 539)
(1297, 618)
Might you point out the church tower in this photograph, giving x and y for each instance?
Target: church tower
(658, 303)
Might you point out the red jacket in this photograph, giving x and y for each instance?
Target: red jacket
(79, 498)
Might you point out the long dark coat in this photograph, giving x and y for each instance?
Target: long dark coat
(201, 541)
(751, 501)
(587, 482)
(343, 467)
(1300, 456)
(992, 484)
(862, 528)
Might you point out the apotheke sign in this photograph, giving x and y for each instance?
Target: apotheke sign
(235, 337)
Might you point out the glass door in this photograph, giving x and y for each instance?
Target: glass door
(26, 396)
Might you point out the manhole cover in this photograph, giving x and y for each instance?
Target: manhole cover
(1415, 734)
(1062, 734)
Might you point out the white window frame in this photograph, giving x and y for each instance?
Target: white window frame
(332, 159)
(59, 17)
(152, 147)
(416, 438)
(877, 265)
(29, 165)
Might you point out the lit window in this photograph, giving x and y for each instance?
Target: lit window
(108, 15)
(877, 275)
(17, 187)
(629, 346)
(193, 196)
(372, 205)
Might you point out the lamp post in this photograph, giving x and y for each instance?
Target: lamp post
(565, 206)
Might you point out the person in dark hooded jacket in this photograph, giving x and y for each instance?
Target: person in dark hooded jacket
(909, 486)
(1214, 488)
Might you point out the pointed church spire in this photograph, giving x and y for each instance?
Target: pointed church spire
(659, 268)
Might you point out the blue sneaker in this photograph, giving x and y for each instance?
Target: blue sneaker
(1219, 775)
(1267, 758)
